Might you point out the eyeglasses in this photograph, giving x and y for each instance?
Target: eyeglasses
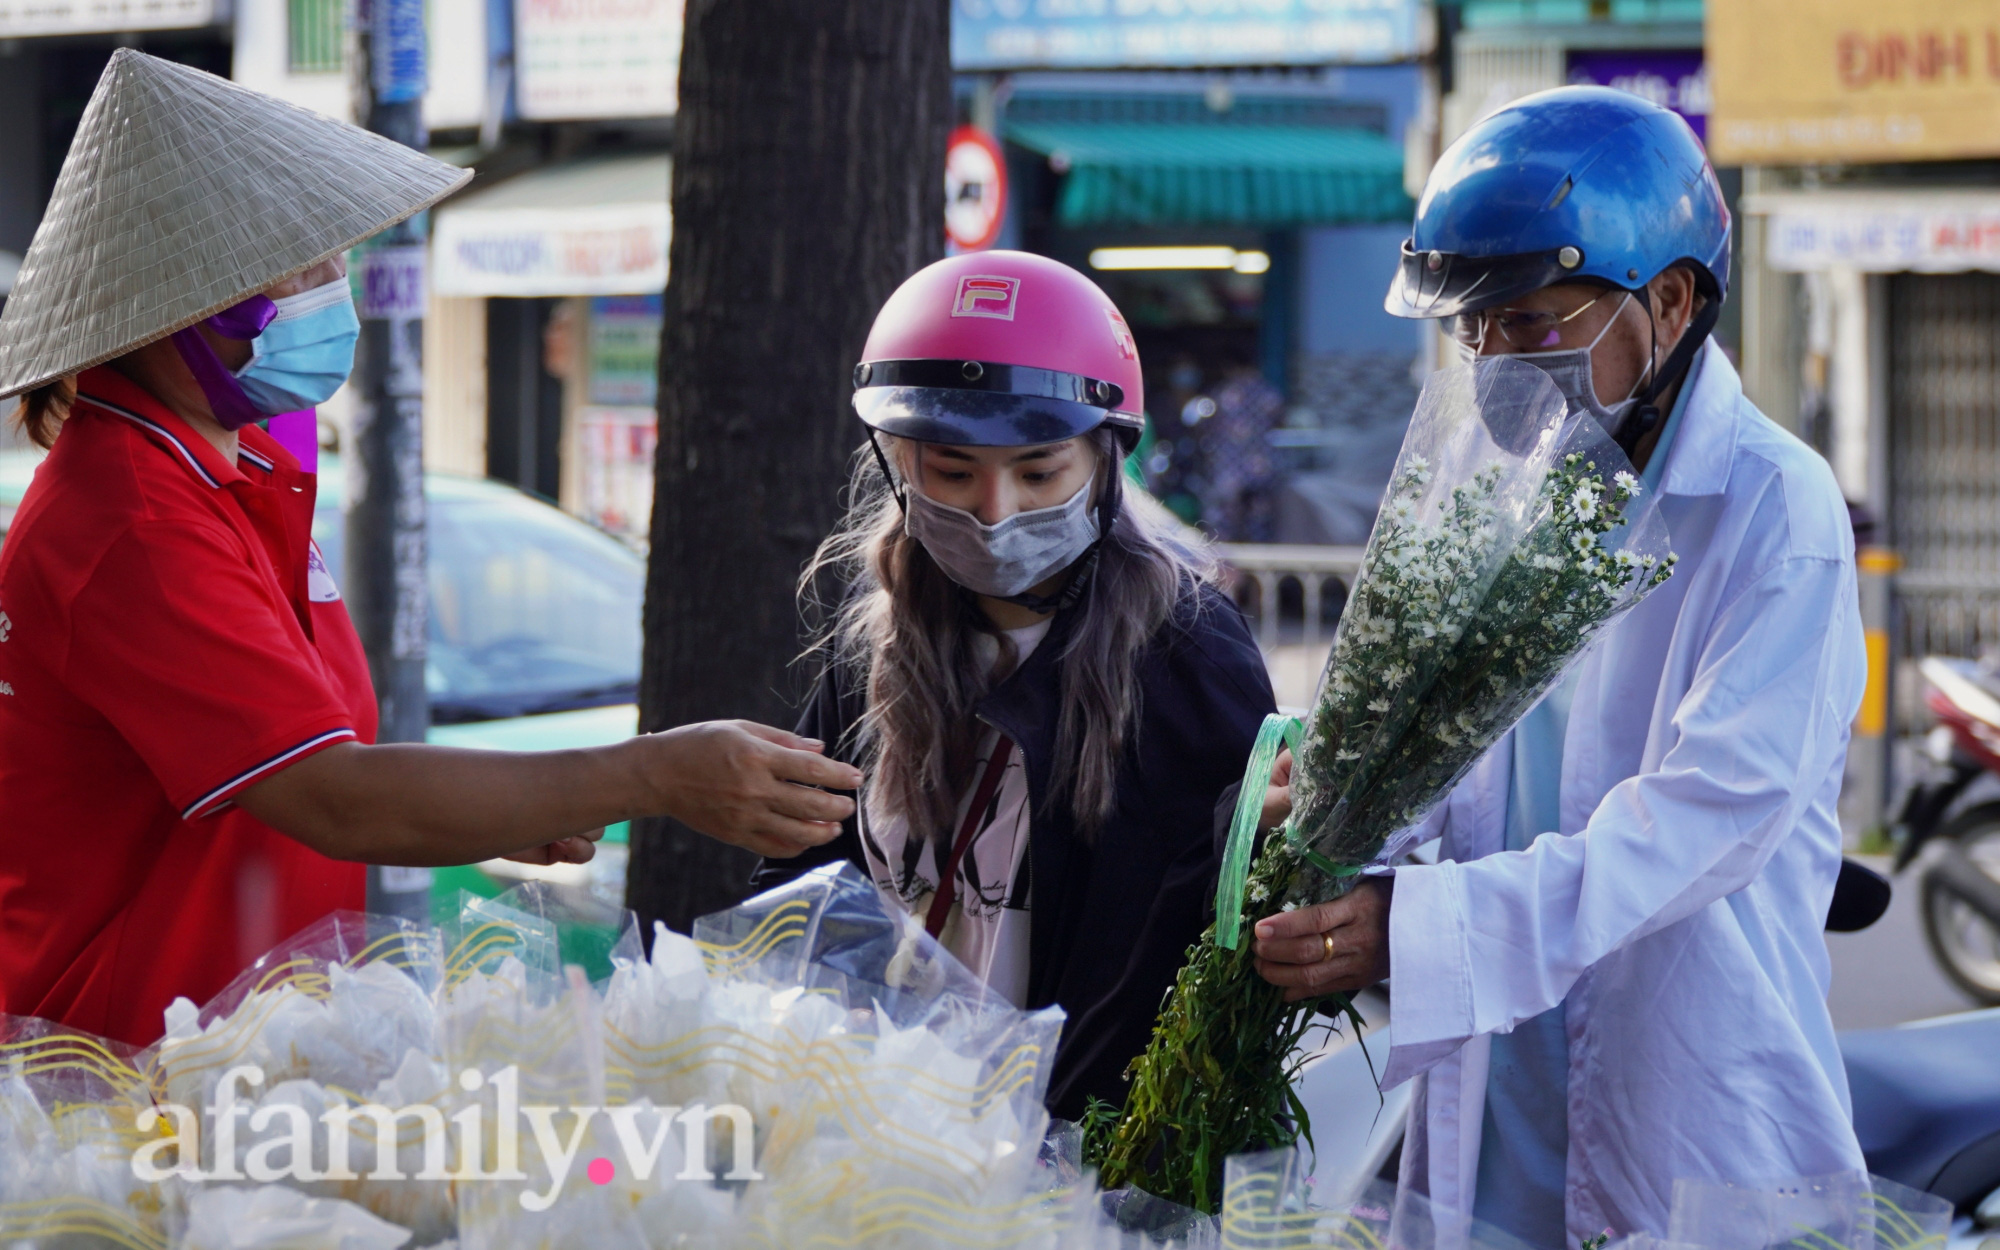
(1520, 327)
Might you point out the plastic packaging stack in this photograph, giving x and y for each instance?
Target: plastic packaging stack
(343, 1015)
(808, 1069)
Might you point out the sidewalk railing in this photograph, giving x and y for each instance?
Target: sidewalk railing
(1269, 566)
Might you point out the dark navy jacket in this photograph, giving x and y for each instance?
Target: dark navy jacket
(1111, 918)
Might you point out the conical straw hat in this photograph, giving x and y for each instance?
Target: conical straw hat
(183, 194)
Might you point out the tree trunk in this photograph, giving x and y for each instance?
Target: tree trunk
(808, 182)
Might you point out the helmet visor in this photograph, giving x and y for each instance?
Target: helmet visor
(966, 418)
(1445, 284)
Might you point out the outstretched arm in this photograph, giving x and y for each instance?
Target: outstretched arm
(736, 781)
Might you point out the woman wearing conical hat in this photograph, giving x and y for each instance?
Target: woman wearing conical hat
(186, 719)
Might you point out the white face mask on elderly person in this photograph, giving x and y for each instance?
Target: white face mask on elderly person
(1539, 336)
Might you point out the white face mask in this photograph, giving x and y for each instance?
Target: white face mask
(1007, 559)
(1569, 369)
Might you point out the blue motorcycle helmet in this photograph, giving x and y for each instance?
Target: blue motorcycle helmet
(1577, 184)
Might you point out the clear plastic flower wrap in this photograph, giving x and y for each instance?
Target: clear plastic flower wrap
(70, 1109)
(1267, 1204)
(1512, 533)
(1843, 1211)
(277, 1073)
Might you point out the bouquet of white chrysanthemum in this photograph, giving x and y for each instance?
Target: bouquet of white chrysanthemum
(1512, 532)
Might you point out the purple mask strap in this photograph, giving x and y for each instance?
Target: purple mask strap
(246, 320)
(232, 408)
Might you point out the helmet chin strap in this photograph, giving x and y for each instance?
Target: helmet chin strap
(1646, 416)
(888, 478)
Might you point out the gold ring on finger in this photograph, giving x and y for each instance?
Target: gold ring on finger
(1326, 939)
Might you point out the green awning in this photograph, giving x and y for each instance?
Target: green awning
(1164, 174)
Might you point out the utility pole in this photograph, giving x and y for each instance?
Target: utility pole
(386, 558)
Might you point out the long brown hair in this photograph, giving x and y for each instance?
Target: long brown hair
(907, 634)
(42, 411)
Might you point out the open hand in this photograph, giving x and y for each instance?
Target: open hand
(751, 785)
(1333, 947)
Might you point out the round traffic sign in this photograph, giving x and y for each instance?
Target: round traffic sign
(975, 189)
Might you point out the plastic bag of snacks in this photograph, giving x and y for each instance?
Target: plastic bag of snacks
(1267, 1204)
(272, 1217)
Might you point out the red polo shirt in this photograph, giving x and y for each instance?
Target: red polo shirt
(168, 636)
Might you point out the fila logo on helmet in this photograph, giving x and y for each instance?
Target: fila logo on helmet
(986, 295)
(1122, 334)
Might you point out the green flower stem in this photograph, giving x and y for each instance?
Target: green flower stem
(1216, 1079)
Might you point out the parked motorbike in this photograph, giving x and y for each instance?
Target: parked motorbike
(1927, 1106)
(1960, 882)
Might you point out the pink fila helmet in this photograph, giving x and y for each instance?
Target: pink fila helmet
(999, 349)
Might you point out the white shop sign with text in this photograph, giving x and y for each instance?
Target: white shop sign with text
(1940, 233)
(609, 249)
(597, 58)
(82, 17)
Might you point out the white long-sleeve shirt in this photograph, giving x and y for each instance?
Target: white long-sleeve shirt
(1679, 909)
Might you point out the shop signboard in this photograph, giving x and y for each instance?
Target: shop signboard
(1128, 34)
(625, 350)
(22, 18)
(1853, 80)
(617, 460)
(388, 281)
(1674, 78)
(596, 58)
(397, 59)
(1880, 232)
(600, 249)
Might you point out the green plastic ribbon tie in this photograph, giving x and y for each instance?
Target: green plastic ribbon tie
(1276, 733)
(1318, 860)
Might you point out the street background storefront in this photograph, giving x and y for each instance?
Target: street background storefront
(547, 286)
(1238, 223)
(1870, 311)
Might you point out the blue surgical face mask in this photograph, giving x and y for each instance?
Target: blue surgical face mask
(305, 353)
